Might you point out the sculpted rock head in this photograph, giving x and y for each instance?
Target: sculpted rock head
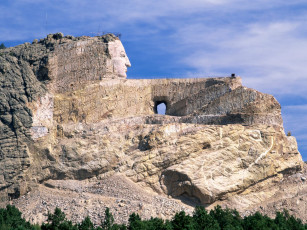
(119, 58)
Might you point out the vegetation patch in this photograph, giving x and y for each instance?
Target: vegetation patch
(216, 219)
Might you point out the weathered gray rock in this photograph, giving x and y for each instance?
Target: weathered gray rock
(26, 106)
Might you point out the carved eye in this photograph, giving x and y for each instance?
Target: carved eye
(122, 54)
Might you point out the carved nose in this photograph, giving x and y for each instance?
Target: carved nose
(128, 64)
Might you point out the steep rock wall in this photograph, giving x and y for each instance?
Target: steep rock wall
(29, 75)
(67, 112)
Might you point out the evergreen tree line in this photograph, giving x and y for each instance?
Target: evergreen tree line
(216, 219)
(2, 46)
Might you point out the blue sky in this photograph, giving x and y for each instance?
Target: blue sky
(264, 42)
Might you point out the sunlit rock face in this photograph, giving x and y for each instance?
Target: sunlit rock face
(68, 112)
(119, 58)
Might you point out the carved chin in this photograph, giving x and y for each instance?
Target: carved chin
(120, 68)
(122, 71)
(122, 74)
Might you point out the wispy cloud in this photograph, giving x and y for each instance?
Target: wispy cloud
(297, 108)
(271, 56)
(89, 15)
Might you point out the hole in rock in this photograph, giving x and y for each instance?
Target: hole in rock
(160, 108)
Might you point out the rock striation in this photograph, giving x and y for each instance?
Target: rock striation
(67, 112)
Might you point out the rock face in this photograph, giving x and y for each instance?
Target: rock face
(67, 112)
(31, 75)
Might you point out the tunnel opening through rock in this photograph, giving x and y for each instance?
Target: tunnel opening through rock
(160, 107)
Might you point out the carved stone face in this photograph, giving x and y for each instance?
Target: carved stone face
(119, 58)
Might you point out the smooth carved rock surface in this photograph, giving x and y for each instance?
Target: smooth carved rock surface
(68, 113)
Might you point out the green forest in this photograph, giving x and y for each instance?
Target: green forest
(218, 218)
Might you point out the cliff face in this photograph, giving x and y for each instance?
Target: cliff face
(68, 112)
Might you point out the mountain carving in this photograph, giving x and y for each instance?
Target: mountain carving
(73, 128)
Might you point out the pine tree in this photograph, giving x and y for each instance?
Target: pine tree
(86, 224)
(108, 221)
(181, 221)
(203, 220)
(135, 222)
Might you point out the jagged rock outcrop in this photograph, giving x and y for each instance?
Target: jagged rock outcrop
(68, 113)
(30, 74)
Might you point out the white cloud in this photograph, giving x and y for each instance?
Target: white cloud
(271, 56)
(301, 108)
